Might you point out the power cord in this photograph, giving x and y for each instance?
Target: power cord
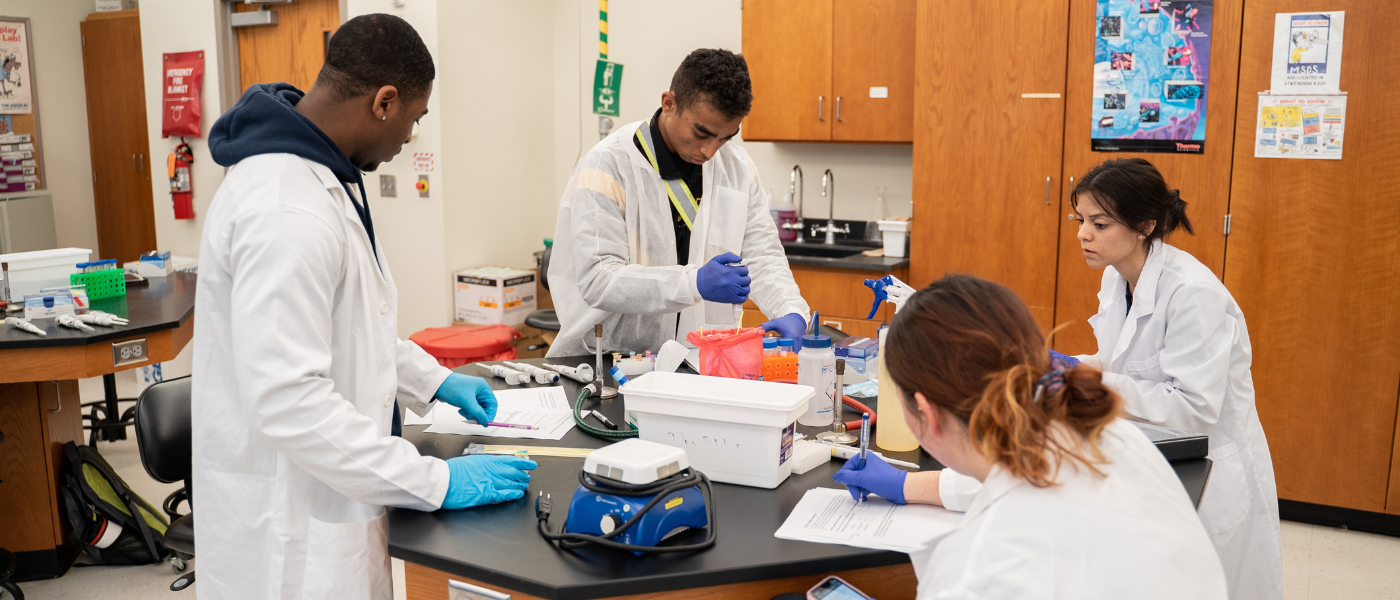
(657, 489)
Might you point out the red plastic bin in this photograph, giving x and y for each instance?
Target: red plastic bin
(457, 346)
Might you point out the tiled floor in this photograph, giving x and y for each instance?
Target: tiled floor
(1319, 563)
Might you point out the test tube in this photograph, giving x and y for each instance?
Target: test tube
(770, 346)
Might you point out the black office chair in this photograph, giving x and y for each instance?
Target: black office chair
(8, 562)
(546, 319)
(163, 438)
(105, 420)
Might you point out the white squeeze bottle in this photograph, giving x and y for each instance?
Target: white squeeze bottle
(891, 431)
(816, 368)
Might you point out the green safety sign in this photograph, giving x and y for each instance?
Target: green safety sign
(607, 89)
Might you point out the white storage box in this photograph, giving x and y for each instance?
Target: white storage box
(494, 295)
(734, 430)
(895, 232)
(29, 272)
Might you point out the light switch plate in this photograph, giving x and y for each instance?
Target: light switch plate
(388, 188)
(129, 352)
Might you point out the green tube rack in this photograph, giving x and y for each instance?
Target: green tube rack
(110, 283)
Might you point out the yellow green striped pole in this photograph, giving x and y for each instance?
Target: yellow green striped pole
(602, 29)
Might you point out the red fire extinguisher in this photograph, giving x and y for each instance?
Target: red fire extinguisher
(181, 191)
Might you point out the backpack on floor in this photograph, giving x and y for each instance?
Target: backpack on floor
(100, 507)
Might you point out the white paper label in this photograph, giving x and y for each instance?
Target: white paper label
(879, 92)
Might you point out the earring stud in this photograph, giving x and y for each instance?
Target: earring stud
(384, 118)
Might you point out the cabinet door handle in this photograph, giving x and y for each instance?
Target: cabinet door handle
(1047, 190)
(838, 109)
(820, 99)
(133, 164)
(142, 162)
(58, 391)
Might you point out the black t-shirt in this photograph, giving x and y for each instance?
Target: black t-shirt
(672, 166)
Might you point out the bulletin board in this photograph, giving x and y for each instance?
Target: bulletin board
(21, 168)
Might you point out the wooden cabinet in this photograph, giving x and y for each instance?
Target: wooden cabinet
(1203, 179)
(987, 154)
(293, 50)
(119, 140)
(830, 70)
(1314, 262)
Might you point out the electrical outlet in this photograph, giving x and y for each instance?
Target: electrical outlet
(388, 188)
(129, 352)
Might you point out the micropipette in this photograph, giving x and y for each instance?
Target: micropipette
(511, 376)
(582, 373)
(540, 375)
(19, 323)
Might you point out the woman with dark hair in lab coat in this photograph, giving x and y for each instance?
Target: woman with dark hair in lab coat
(1173, 343)
(1074, 502)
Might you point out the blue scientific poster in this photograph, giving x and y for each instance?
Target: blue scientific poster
(1151, 65)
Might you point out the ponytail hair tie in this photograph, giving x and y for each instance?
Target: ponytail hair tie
(1053, 381)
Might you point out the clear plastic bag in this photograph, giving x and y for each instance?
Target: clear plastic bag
(733, 353)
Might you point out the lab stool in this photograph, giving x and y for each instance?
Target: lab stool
(163, 425)
(8, 562)
(105, 419)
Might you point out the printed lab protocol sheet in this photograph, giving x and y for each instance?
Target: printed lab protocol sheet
(831, 516)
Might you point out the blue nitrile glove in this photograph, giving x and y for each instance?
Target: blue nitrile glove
(470, 394)
(876, 477)
(481, 479)
(790, 326)
(719, 282)
(1070, 361)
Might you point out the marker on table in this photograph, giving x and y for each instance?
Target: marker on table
(604, 420)
(495, 424)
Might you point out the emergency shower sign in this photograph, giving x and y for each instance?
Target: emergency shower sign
(607, 89)
(183, 79)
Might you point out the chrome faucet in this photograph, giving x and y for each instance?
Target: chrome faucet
(797, 185)
(830, 227)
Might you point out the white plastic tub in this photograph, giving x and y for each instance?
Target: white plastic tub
(29, 272)
(734, 430)
(895, 232)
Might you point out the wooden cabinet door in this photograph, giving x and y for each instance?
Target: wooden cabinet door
(788, 47)
(873, 52)
(987, 159)
(291, 51)
(1314, 262)
(119, 142)
(1203, 179)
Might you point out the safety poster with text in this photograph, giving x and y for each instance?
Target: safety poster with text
(1151, 66)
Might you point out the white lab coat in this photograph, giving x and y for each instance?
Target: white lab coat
(296, 368)
(614, 257)
(1131, 534)
(1181, 358)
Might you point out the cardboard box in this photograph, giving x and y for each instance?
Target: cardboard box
(494, 295)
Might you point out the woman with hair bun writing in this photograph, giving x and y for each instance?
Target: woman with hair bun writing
(1074, 502)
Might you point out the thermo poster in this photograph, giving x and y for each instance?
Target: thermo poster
(1151, 65)
(16, 87)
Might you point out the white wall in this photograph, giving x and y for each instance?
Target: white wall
(58, 62)
(650, 38)
(181, 26)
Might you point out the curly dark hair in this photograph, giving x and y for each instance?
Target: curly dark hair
(372, 51)
(717, 77)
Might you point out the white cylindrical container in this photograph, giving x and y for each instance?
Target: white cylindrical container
(894, 232)
(816, 368)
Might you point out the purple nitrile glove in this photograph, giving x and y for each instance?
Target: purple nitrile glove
(875, 477)
(1069, 361)
(789, 326)
(724, 281)
(472, 395)
(481, 479)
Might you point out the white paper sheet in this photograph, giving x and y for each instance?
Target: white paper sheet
(547, 408)
(830, 516)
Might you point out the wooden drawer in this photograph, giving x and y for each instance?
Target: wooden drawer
(858, 327)
(840, 293)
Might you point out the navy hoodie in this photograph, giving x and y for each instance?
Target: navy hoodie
(266, 121)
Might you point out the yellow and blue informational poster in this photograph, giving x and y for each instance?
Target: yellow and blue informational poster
(1151, 65)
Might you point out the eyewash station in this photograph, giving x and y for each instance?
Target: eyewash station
(655, 478)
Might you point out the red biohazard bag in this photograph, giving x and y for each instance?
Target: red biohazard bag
(733, 353)
(183, 78)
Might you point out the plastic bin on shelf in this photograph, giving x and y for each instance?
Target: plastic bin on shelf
(457, 346)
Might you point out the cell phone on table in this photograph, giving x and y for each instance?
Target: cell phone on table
(835, 588)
